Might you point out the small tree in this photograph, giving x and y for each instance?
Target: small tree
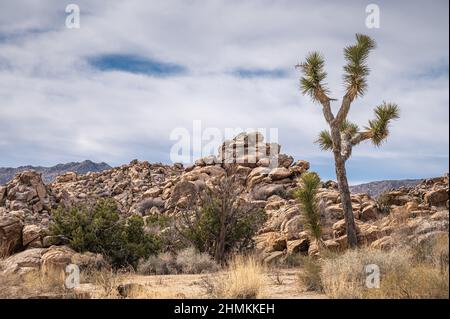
(306, 195)
(222, 222)
(100, 229)
(344, 135)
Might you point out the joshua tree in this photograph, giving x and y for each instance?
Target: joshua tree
(343, 134)
(306, 195)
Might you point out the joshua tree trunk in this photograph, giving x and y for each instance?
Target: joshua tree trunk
(344, 190)
(219, 254)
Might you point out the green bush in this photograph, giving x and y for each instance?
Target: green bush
(100, 229)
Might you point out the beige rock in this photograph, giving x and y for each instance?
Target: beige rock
(285, 160)
(279, 173)
(153, 192)
(10, 235)
(292, 227)
(23, 262)
(262, 192)
(56, 258)
(383, 243)
(436, 197)
(298, 246)
(300, 167)
(66, 177)
(276, 243)
(273, 257)
(30, 233)
(369, 213)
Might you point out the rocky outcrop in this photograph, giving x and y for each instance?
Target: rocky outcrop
(130, 185)
(26, 192)
(268, 177)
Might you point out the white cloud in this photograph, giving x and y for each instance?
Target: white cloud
(56, 108)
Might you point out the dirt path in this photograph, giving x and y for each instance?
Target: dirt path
(282, 284)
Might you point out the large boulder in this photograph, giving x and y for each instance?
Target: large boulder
(298, 246)
(262, 192)
(436, 197)
(10, 234)
(285, 160)
(25, 261)
(31, 236)
(55, 259)
(279, 173)
(51, 260)
(276, 243)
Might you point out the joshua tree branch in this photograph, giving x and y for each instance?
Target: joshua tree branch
(361, 136)
(343, 111)
(326, 108)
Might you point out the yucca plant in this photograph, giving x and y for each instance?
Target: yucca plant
(306, 195)
(344, 135)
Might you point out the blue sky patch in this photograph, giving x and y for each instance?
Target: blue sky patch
(257, 73)
(135, 64)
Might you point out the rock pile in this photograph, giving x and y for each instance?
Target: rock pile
(26, 192)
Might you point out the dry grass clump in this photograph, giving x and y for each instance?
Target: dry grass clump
(105, 282)
(402, 274)
(310, 274)
(345, 277)
(187, 261)
(244, 279)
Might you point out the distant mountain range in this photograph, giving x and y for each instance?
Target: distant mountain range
(49, 173)
(374, 189)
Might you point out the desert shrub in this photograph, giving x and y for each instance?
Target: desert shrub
(148, 203)
(310, 274)
(186, 261)
(189, 261)
(223, 223)
(244, 279)
(383, 203)
(401, 276)
(100, 229)
(162, 264)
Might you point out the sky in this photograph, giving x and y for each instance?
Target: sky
(116, 88)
